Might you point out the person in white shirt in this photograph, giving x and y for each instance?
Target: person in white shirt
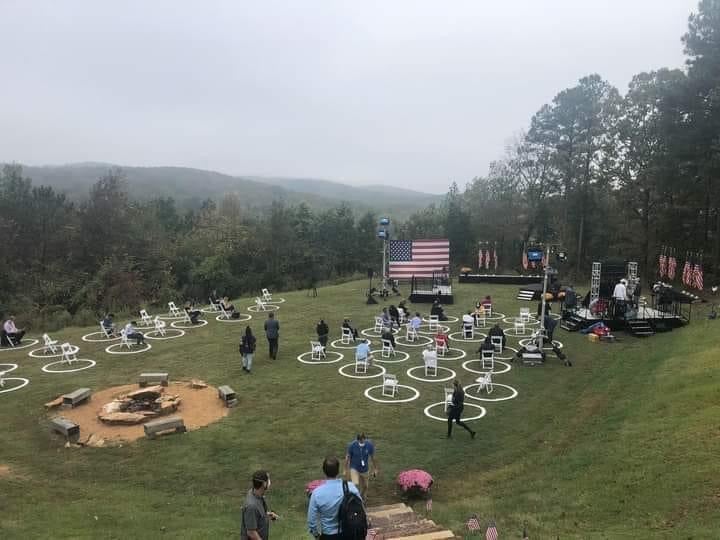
(430, 357)
(620, 297)
(467, 322)
(132, 333)
(12, 332)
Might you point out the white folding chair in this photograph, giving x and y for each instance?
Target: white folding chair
(107, 332)
(260, 304)
(67, 353)
(433, 322)
(317, 351)
(488, 311)
(480, 321)
(146, 319)
(173, 310)
(267, 297)
(50, 344)
(430, 360)
(410, 333)
(525, 314)
(224, 314)
(440, 346)
(347, 336)
(448, 395)
(390, 384)
(468, 331)
(519, 326)
(387, 349)
(361, 364)
(124, 342)
(159, 326)
(378, 324)
(497, 342)
(402, 319)
(487, 358)
(213, 305)
(485, 382)
(2, 379)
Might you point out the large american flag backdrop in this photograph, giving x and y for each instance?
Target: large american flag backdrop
(418, 258)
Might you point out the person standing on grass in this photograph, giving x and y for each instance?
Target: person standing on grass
(323, 517)
(247, 348)
(357, 462)
(456, 408)
(322, 332)
(255, 520)
(272, 332)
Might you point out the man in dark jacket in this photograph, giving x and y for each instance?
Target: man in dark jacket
(322, 333)
(272, 332)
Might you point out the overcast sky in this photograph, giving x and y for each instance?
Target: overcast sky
(404, 92)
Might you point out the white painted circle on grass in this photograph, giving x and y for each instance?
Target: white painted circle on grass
(28, 343)
(268, 307)
(526, 342)
(511, 320)
(499, 357)
(37, 353)
(386, 399)
(188, 325)
(209, 311)
(496, 316)
(304, 358)
(23, 382)
(171, 317)
(242, 318)
(462, 354)
(464, 419)
(512, 332)
(2, 367)
(451, 319)
(159, 336)
(361, 376)
(101, 339)
(508, 367)
(370, 332)
(338, 344)
(436, 379)
(475, 339)
(275, 301)
(87, 365)
(421, 341)
(513, 392)
(119, 348)
(391, 359)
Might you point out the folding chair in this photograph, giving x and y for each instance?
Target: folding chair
(387, 349)
(430, 361)
(440, 346)
(347, 336)
(224, 314)
(433, 322)
(361, 364)
(146, 319)
(107, 332)
(124, 342)
(480, 321)
(50, 344)
(267, 297)
(525, 314)
(403, 318)
(485, 382)
(411, 333)
(497, 342)
(214, 306)
(488, 311)
(67, 353)
(317, 351)
(519, 326)
(487, 358)
(378, 324)
(173, 311)
(468, 331)
(448, 395)
(260, 304)
(159, 326)
(390, 384)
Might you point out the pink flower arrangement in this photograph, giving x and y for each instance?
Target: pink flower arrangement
(415, 480)
(311, 486)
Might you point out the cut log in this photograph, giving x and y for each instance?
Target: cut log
(54, 403)
(197, 384)
(167, 407)
(124, 418)
(114, 406)
(95, 441)
(149, 392)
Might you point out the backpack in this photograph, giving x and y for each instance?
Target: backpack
(351, 517)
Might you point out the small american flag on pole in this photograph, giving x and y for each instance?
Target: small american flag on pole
(671, 267)
(698, 277)
(662, 265)
(480, 258)
(418, 258)
(687, 272)
(495, 258)
(473, 524)
(491, 533)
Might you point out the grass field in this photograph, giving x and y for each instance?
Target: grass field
(624, 444)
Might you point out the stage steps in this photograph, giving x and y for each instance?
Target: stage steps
(400, 522)
(572, 323)
(525, 295)
(640, 328)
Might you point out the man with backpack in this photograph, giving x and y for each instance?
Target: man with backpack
(336, 510)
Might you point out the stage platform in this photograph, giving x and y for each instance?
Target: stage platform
(659, 321)
(500, 279)
(429, 295)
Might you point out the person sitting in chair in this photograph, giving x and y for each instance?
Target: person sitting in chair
(416, 321)
(486, 345)
(132, 333)
(394, 315)
(478, 314)
(467, 324)
(12, 332)
(387, 333)
(322, 332)
(193, 313)
(497, 331)
(385, 316)
(570, 299)
(214, 298)
(442, 340)
(227, 306)
(437, 309)
(362, 352)
(353, 331)
(108, 324)
(487, 302)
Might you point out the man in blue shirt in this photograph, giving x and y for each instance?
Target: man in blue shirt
(357, 461)
(362, 352)
(324, 508)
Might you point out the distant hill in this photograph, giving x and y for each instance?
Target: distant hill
(189, 187)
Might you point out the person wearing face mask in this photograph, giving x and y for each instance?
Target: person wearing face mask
(357, 462)
(255, 523)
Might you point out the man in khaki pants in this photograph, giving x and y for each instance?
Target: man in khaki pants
(357, 462)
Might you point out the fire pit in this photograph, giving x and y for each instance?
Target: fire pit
(139, 406)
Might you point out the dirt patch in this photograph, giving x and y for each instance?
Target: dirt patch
(5, 471)
(199, 407)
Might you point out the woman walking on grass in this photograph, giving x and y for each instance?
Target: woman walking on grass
(247, 348)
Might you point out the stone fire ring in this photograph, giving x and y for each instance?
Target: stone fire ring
(88, 365)
(29, 343)
(482, 413)
(132, 350)
(37, 353)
